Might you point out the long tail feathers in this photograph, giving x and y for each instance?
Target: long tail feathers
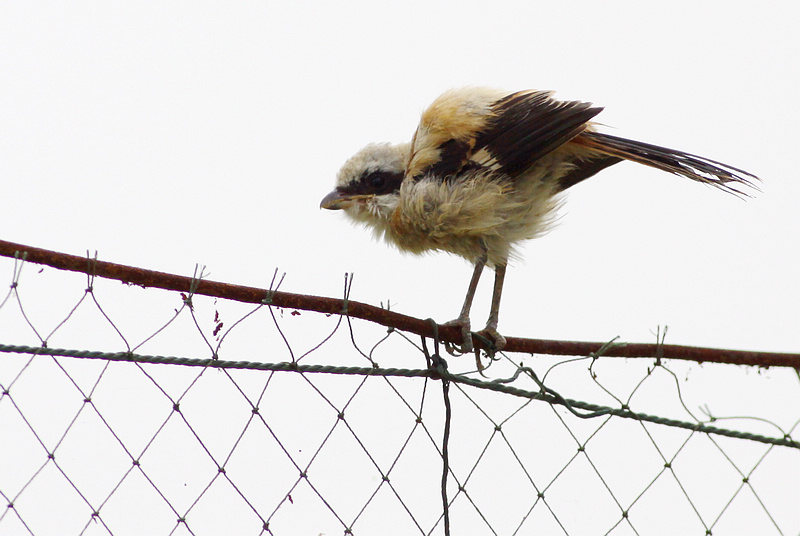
(717, 174)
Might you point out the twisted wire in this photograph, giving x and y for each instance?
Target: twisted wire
(548, 396)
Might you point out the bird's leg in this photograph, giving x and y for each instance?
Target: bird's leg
(491, 326)
(463, 319)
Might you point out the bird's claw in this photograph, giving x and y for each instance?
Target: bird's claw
(491, 334)
(466, 337)
(493, 340)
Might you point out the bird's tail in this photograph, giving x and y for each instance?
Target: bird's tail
(717, 174)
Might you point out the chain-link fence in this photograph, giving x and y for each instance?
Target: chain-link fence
(127, 410)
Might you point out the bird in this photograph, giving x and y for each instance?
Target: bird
(484, 171)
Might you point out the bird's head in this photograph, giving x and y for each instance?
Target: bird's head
(368, 185)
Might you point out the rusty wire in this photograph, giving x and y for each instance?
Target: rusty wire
(273, 422)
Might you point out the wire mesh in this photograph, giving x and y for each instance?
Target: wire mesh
(127, 410)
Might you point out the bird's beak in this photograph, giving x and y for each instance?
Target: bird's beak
(336, 200)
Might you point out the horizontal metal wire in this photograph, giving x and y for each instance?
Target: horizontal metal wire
(384, 317)
(499, 386)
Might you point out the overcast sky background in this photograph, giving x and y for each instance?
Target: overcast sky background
(164, 134)
(167, 134)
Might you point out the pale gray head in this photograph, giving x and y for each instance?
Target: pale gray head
(369, 182)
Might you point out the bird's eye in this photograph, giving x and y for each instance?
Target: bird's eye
(377, 180)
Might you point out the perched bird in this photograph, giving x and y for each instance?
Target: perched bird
(484, 171)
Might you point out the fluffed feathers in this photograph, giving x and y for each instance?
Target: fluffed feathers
(483, 172)
(484, 168)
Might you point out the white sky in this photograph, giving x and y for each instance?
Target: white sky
(164, 134)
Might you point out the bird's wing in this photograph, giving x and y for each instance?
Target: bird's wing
(505, 133)
(687, 165)
(528, 125)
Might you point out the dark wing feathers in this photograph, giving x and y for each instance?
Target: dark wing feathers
(687, 165)
(529, 125)
(583, 169)
(453, 156)
(525, 126)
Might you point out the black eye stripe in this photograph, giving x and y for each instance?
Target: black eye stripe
(378, 182)
(383, 182)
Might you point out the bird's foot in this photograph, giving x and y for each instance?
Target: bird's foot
(466, 337)
(498, 342)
